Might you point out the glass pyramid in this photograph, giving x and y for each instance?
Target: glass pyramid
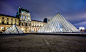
(58, 24)
(13, 30)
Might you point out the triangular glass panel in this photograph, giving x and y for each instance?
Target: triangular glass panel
(13, 30)
(58, 24)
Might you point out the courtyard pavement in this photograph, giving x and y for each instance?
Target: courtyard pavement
(43, 43)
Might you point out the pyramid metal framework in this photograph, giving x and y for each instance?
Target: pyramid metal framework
(58, 24)
(13, 30)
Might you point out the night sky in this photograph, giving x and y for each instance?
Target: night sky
(73, 10)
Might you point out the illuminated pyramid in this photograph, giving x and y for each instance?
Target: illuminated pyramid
(13, 30)
(58, 24)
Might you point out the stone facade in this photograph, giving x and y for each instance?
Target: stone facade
(22, 20)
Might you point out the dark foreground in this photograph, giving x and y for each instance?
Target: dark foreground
(42, 43)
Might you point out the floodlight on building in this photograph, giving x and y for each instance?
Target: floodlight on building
(22, 28)
(81, 28)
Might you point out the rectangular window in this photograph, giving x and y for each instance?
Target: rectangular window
(22, 16)
(2, 28)
(2, 17)
(11, 19)
(25, 17)
(19, 24)
(2, 22)
(22, 24)
(7, 23)
(26, 24)
(15, 20)
(7, 18)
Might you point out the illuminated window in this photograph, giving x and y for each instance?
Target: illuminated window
(19, 23)
(15, 23)
(25, 17)
(22, 16)
(28, 17)
(2, 28)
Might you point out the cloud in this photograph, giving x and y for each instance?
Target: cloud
(81, 24)
(73, 10)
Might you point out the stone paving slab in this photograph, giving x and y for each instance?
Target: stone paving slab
(43, 43)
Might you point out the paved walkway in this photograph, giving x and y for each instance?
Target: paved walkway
(43, 43)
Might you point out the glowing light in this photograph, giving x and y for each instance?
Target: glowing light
(2, 28)
(22, 28)
(81, 28)
(61, 30)
(28, 18)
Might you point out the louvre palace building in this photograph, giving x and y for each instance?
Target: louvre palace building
(22, 20)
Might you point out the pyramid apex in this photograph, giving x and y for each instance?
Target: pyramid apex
(58, 13)
(13, 30)
(58, 24)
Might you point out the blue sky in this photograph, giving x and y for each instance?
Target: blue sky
(73, 10)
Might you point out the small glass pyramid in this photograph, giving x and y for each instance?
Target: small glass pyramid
(13, 30)
(58, 24)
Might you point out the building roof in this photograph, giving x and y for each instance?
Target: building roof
(17, 17)
(7, 15)
(22, 9)
(37, 20)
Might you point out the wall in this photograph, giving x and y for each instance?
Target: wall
(33, 26)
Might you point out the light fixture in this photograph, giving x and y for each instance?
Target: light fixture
(22, 28)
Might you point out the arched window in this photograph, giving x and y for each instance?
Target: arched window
(15, 20)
